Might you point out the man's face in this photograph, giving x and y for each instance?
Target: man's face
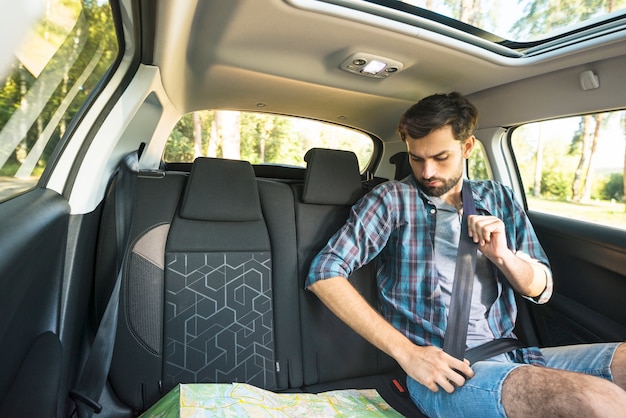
(437, 161)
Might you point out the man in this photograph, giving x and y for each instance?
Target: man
(413, 226)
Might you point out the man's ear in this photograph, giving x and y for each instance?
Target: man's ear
(468, 146)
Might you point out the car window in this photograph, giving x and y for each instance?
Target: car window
(478, 163)
(57, 65)
(574, 167)
(260, 138)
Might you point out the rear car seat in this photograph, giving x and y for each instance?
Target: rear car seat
(218, 318)
(197, 301)
(213, 286)
(331, 350)
(334, 356)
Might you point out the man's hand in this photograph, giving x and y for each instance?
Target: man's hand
(433, 368)
(490, 235)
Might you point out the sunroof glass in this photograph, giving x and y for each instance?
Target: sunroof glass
(518, 20)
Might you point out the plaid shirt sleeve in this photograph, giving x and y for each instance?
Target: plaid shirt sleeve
(362, 237)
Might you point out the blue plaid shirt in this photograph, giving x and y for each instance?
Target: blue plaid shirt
(396, 223)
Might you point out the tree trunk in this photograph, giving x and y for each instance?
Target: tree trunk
(231, 137)
(538, 165)
(624, 128)
(470, 12)
(266, 132)
(579, 174)
(588, 180)
(214, 140)
(197, 135)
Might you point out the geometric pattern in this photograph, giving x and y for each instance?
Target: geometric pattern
(218, 319)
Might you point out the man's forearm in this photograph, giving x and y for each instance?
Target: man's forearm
(428, 365)
(527, 277)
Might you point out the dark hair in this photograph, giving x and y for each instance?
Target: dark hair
(436, 111)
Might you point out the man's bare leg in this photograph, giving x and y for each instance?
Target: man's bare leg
(544, 392)
(618, 366)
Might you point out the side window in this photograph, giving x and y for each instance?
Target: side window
(260, 138)
(56, 67)
(478, 163)
(575, 167)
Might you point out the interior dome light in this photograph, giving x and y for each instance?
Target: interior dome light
(374, 67)
(371, 65)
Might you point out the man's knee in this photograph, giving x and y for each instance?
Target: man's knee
(539, 391)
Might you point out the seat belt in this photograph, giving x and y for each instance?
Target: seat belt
(94, 374)
(461, 297)
(455, 340)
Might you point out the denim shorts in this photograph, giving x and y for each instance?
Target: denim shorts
(481, 396)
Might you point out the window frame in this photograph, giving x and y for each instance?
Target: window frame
(515, 170)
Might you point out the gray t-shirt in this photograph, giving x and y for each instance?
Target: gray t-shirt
(447, 234)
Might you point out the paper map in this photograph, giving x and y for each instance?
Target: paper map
(242, 400)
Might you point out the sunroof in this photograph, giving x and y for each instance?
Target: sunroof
(521, 20)
(520, 27)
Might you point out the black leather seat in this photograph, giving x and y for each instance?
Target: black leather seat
(197, 298)
(331, 350)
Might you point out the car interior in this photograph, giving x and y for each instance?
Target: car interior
(171, 260)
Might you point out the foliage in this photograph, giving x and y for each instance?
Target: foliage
(79, 30)
(478, 165)
(265, 139)
(82, 37)
(613, 188)
(542, 16)
(555, 184)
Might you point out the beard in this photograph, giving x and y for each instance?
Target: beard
(437, 191)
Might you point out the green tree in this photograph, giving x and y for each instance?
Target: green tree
(478, 166)
(36, 108)
(180, 145)
(581, 145)
(613, 188)
(555, 184)
(624, 176)
(540, 17)
(260, 138)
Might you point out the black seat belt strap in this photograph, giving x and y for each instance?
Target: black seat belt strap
(93, 377)
(460, 301)
(493, 348)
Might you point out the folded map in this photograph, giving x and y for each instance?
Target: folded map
(242, 400)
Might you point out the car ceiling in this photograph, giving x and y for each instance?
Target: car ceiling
(273, 56)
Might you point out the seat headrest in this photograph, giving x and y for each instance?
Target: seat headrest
(403, 167)
(221, 190)
(332, 177)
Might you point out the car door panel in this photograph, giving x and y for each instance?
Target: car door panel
(589, 268)
(32, 247)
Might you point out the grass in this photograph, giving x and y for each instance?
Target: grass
(601, 211)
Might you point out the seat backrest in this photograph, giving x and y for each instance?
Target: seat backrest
(196, 300)
(218, 317)
(277, 203)
(331, 350)
(403, 167)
